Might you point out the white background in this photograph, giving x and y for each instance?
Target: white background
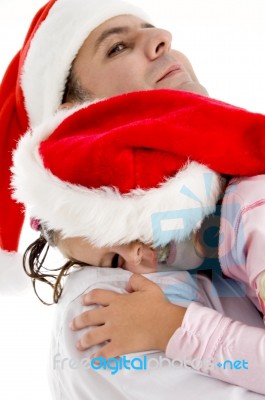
(225, 41)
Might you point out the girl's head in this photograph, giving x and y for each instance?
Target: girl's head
(112, 181)
(135, 257)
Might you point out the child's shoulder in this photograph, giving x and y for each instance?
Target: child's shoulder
(246, 190)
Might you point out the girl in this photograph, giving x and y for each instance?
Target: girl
(186, 196)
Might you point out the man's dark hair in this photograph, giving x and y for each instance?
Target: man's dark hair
(74, 91)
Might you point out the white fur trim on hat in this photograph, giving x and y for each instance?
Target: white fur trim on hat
(104, 216)
(13, 279)
(55, 46)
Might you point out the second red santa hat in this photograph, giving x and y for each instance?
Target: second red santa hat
(141, 165)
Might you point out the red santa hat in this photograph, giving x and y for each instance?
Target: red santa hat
(33, 86)
(118, 170)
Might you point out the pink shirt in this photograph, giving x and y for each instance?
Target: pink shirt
(242, 253)
(207, 333)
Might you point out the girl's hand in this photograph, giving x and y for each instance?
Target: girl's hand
(141, 320)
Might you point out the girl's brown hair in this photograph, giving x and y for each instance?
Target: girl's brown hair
(33, 264)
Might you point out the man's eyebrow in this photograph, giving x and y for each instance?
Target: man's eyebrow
(116, 31)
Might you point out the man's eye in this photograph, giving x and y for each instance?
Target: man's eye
(116, 49)
(114, 261)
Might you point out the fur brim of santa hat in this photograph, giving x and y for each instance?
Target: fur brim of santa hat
(13, 279)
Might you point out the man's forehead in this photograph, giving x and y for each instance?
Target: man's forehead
(121, 24)
(116, 30)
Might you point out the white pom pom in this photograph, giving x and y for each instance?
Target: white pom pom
(13, 279)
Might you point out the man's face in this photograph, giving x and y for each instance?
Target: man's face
(126, 54)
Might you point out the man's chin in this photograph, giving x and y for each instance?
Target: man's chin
(190, 87)
(195, 88)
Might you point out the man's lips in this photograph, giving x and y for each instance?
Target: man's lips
(170, 71)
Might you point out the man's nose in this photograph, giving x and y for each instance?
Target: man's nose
(157, 42)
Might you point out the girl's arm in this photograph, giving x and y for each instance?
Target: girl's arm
(243, 229)
(229, 350)
(143, 320)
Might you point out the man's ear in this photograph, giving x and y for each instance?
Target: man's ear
(66, 106)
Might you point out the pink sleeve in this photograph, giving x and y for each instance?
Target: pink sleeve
(243, 247)
(207, 335)
(254, 247)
